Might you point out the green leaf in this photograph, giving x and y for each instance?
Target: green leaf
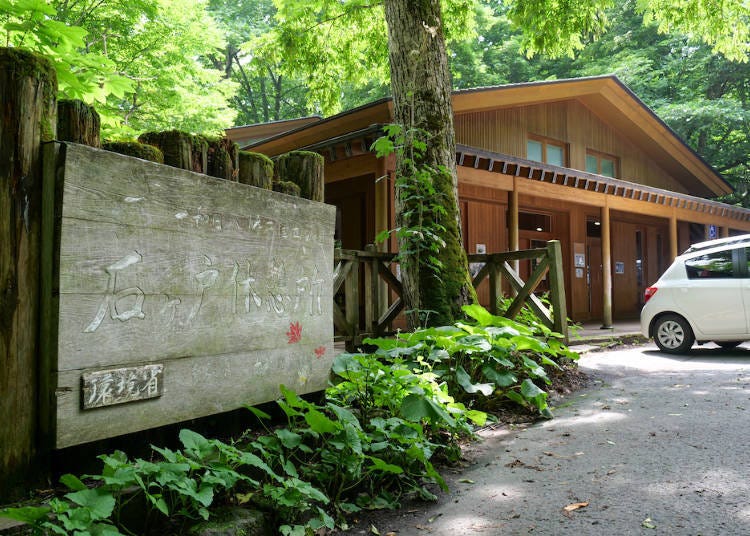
(72, 482)
(26, 514)
(196, 444)
(464, 380)
(320, 423)
(480, 314)
(535, 395)
(499, 378)
(288, 438)
(477, 417)
(99, 502)
(416, 407)
(381, 465)
(258, 413)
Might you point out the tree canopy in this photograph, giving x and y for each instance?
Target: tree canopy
(143, 64)
(205, 65)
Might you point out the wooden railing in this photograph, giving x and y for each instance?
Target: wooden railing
(368, 295)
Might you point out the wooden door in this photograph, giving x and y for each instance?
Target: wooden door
(355, 211)
(594, 276)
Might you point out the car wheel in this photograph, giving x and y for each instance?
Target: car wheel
(672, 334)
(728, 345)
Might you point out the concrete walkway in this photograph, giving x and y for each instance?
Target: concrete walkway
(657, 445)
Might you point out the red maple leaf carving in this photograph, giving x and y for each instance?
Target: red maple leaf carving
(295, 332)
(320, 351)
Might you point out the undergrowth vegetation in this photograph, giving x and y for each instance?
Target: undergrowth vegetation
(387, 416)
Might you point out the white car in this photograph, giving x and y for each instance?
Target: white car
(703, 296)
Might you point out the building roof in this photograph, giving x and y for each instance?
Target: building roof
(247, 134)
(606, 96)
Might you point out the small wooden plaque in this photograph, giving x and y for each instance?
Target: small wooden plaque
(121, 385)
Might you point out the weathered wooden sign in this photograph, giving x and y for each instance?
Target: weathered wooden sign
(173, 295)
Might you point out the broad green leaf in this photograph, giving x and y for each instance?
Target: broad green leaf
(26, 514)
(499, 378)
(384, 467)
(100, 503)
(416, 408)
(288, 438)
(535, 396)
(320, 423)
(477, 417)
(464, 380)
(72, 482)
(343, 364)
(474, 343)
(195, 442)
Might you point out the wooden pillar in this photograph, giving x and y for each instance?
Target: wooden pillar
(557, 289)
(724, 231)
(305, 169)
(255, 169)
(28, 89)
(78, 122)
(606, 270)
(673, 244)
(180, 149)
(383, 212)
(513, 241)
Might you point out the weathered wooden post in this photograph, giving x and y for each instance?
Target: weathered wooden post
(495, 282)
(181, 150)
(557, 289)
(305, 169)
(222, 158)
(78, 122)
(255, 169)
(28, 88)
(286, 187)
(372, 291)
(143, 151)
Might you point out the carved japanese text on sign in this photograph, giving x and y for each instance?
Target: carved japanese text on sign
(121, 385)
(226, 286)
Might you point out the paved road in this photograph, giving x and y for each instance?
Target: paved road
(657, 445)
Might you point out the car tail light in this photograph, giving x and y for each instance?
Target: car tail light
(650, 291)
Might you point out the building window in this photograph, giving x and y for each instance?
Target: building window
(546, 150)
(601, 164)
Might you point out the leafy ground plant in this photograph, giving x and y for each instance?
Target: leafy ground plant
(371, 442)
(490, 355)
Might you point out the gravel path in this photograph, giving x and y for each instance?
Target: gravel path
(656, 445)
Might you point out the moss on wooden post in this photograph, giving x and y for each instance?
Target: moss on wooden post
(78, 122)
(255, 169)
(305, 169)
(181, 150)
(138, 150)
(286, 187)
(28, 89)
(222, 158)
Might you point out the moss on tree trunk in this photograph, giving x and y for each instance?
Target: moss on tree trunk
(420, 81)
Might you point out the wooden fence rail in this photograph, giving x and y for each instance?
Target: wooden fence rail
(368, 295)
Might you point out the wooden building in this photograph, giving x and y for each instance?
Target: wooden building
(583, 161)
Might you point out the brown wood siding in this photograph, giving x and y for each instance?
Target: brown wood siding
(505, 131)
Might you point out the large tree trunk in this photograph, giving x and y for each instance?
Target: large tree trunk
(420, 81)
(28, 89)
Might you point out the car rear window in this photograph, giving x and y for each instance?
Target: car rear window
(712, 265)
